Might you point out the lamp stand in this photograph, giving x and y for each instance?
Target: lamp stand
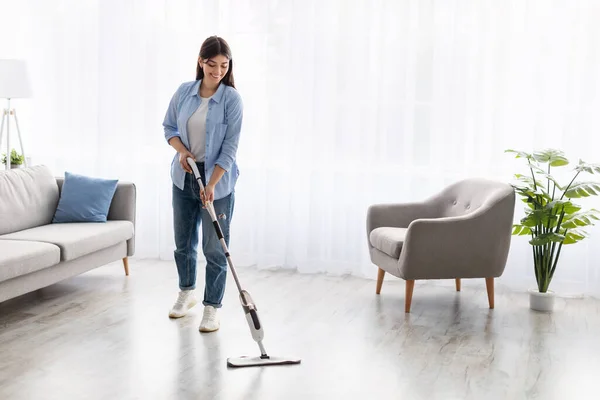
(7, 112)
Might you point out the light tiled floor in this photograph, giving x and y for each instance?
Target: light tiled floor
(102, 335)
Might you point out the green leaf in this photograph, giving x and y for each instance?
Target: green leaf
(529, 203)
(521, 230)
(527, 179)
(574, 223)
(580, 219)
(519, 154)
(537, 217)
(539, 196)
(551, 178)
(556, 158)
(532, 219)
(537, 170)
(546, 238)
(589, 168)
(574, 236)
(557, 206)
(583, 189)
(528, 193)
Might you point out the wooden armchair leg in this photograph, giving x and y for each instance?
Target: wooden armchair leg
(126, 265)
(489, 283)
(458, 284)
(380, 275)
(408, 298)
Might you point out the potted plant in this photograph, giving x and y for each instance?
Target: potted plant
(552, 219)
(16, 159)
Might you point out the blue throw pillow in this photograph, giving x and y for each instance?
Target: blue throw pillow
(84, 199)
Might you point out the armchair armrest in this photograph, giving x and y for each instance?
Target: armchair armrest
(398, 215)
(473, 245)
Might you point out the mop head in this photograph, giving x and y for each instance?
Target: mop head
(246, 361)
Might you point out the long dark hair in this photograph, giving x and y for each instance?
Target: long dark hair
(212, 47)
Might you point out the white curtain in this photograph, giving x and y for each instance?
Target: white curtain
(347, 103)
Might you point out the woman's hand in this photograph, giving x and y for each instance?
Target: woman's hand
(208, 194)
(183, 155)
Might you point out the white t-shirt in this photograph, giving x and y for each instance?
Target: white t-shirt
(197, 130)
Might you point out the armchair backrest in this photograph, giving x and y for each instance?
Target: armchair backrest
(468, 195)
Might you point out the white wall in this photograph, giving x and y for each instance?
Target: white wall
(346, 104)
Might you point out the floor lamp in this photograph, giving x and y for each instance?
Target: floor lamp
(14, 83)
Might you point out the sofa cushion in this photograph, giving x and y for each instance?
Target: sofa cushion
(29, 198)
(77, 239)
(388, 240)
(20, 257)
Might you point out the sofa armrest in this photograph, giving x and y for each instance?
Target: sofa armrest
(123, 203)
(474, 245)
(122, 207)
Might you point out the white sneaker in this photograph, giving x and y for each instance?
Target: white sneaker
(210, 320)
(185, 301)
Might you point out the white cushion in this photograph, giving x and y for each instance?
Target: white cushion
(20, 257)
(388, 240)
(28, 198)
(77, 239)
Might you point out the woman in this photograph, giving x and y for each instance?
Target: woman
(203, 121)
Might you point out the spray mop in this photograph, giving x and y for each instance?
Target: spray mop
(248, 305)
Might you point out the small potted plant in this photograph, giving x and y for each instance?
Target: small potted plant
(552, 219)
(16, 159)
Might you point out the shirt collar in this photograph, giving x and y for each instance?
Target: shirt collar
(216, 97)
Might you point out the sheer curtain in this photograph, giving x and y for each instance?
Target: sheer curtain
(346, 104)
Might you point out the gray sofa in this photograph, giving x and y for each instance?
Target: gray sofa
(35, 253)
(464, 231)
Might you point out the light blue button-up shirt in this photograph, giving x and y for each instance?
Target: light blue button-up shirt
(223, 126)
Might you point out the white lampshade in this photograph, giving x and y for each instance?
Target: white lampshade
(14, 79)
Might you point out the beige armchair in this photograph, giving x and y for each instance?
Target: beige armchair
(464, 231)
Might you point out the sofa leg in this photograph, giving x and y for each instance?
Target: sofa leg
(458, 284)
(126, 265)
(380, 275)
(408, 298)
(489, 283)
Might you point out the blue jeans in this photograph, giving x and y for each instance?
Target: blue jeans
(188, 216)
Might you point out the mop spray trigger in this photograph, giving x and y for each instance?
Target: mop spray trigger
(251, 316)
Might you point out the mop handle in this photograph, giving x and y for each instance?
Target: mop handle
(213, 217)
(209, 205)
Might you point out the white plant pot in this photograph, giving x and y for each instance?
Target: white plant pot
(541, 301)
